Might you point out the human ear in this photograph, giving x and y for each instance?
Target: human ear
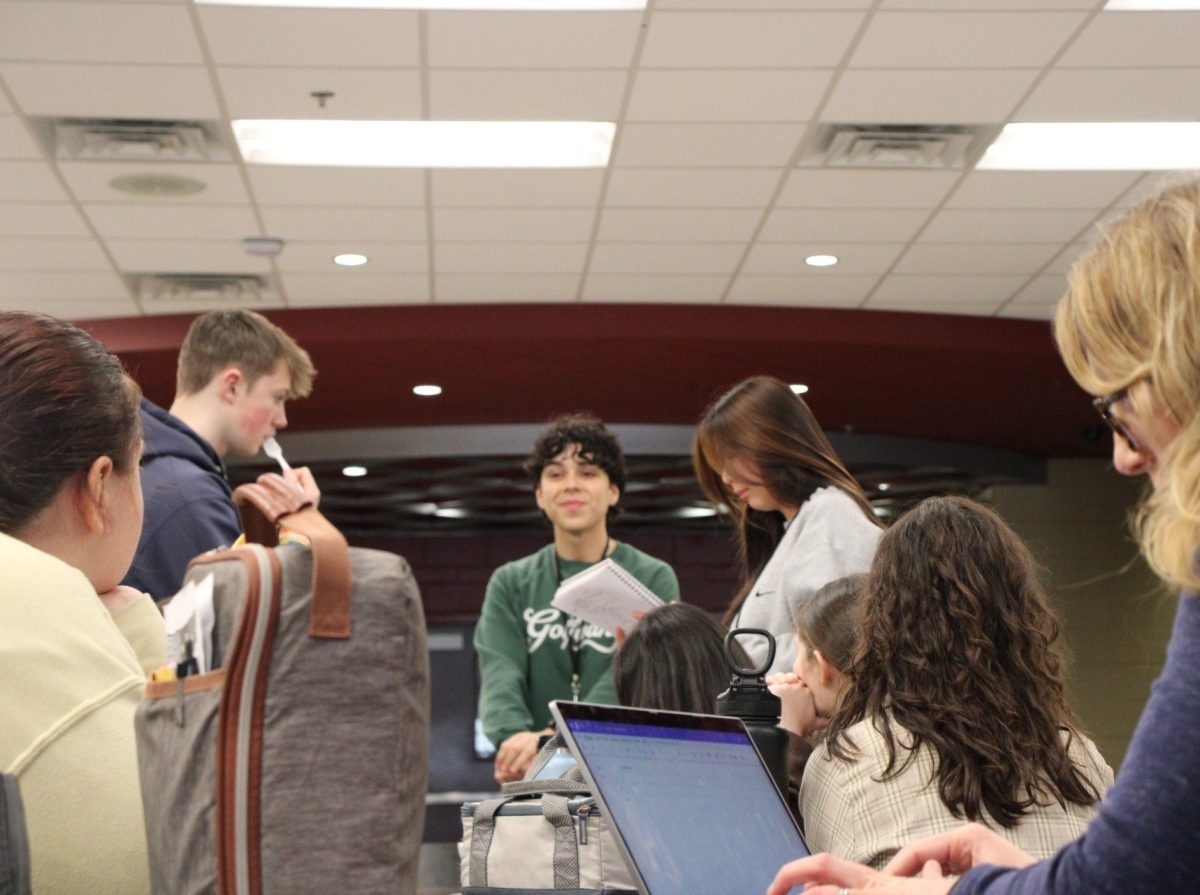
(829, 675)
(229, 381)
(614, 494)
(93, 494)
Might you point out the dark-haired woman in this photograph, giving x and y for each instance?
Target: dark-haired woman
(74, 646)
(801, 518)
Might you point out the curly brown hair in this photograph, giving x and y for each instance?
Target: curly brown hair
(959, 649)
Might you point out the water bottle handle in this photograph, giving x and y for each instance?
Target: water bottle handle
(750, 672)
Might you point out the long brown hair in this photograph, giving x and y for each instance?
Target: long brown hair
(959, 648)
(761, 421)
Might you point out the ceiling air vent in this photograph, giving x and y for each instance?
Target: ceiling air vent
(897, 145)
(233, 289)
(132, 139)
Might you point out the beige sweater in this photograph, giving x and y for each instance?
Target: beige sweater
(69, 684)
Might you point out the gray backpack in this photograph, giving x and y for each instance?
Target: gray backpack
(299, 763)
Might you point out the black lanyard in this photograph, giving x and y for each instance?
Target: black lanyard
(573, 642)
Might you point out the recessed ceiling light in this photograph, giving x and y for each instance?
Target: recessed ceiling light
(695, 512)
(530, 5)
(354, 472)
(883, 486)
(821, 260)
(427, 391)
(1098, 146)
(1151, 5)
(450, 512)
(798, 388)
(350, 259)
(426, 144)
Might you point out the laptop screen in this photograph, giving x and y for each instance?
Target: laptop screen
(688, 795)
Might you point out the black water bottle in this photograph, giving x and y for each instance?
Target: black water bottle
(749, 698)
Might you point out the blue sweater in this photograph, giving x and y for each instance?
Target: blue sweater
(1146, 838)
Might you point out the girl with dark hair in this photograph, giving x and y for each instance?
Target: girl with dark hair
(74, 646)
(953, 706)
(801, 518)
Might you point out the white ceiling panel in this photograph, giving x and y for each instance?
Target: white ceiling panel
(15, 141)
(200, 305)
(505, 289)
(358, 93)
(510, 258)
(517, 187)
(1044, 290)
(691, 187)
(383, 257)
(185, 256)
(980, 258)
(1066, 258)
(1025, 311)
(951, 291)
(29, 181)
(112, 91)
(332, 224)
(513, 225)
(76, 309)
(819, 290)
(964, 39)
(40, 219)
(52, 254)
(661, 289)
(670, 225)
(1154, 39)
(532, 39)
(821, 227)
(1132, 94)
(50, 30)
(525, 95)
(670, 257)
(356, 38)
(707, 145)
(1041, 189)
(917, 306)
(154, 221)
(92, 182)
(394, 289)
(944, 96)
(1008, 225)
(728, 95)
(59, 285)
(973, 5)
(5, 105)
(739, 40)
(304, 185)
(854, 259)
(865, 188)
(768, 5)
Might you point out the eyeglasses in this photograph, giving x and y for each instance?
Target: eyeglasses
(1103, 406)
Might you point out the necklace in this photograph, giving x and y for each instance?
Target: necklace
(576, 687)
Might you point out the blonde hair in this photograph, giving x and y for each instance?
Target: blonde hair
(1131, 319)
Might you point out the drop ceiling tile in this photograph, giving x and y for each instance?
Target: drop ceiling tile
(355, 38)
(29, 181)
(91, 182)
(15, 141)
(154, 221)
(59, 285)
(730, 5)
(1153, 39)
(817, 291)
(917, 306)
(669, 224)
(707, 145)
(505, 289)
(48, 30)
(1044, 290)
(512, 225)
(953, 292)
(1023, 311)
(333, 224)
(201, 305)
(904, 96)
(1008, 225)
(41, 219)
(52, 254)
(510, 258)
(525, 95)
(661, 289)
(691, 187)
(749, 40)
(822, 227)
(727, 95)
(532, 39)
(347, 187)
(1041, 189)
(971, 5)
(383, 257)
(853, 259)
(977, 258)
(1066, 258)
(517, 187)
(358, 93)
(319, 290)
(666, 258)
(76, 309)
(112, 91)
(865, 188)
(964, 39)
(1126, 94)
(185, 256)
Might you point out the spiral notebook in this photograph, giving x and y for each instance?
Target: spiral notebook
(605, 595)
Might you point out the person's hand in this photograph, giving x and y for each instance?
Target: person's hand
(120, 597)
(516, 754)
(303, 479)
(799, 706)
(619, 634)
(829, 875)
(958, 851)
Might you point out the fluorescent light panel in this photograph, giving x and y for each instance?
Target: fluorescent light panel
(426, 144)
(495, 5)
(1106, 146)
(1151, 5)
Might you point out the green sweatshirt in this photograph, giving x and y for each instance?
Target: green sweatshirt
(522, 641)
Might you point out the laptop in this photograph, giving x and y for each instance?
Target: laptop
(692, 806)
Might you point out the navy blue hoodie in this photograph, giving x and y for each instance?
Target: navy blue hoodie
(189, 504)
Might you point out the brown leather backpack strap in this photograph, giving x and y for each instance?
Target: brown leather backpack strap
(265, 506)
